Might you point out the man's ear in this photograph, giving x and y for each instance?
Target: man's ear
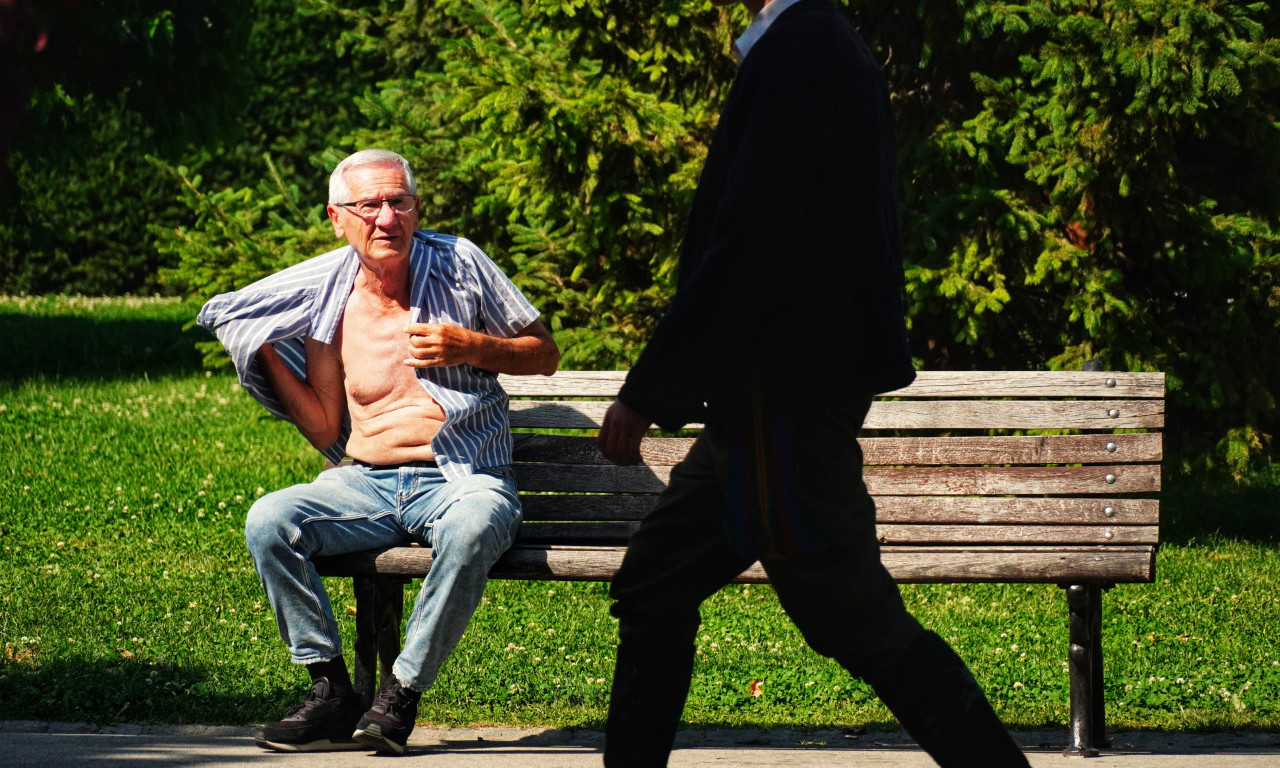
(337, 221)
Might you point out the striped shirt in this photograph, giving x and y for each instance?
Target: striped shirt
(453, 281)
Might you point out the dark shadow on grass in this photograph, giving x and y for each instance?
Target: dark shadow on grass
(111, 691)
(87, 349)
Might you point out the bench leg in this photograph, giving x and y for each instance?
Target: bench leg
(1088, 707)
(379, 611)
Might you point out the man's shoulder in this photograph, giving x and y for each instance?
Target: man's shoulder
(451, 254)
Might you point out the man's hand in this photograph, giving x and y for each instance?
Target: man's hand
(433, 345)
(437, 345)
(620, 435)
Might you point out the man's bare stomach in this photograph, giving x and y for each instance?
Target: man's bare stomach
(395, 435)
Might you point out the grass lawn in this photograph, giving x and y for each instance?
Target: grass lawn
(127, 594)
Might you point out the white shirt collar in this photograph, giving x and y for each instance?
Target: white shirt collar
(759, 25)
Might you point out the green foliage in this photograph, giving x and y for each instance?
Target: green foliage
(178, 64)
(1105, 186)
(75, 219)
(205, 86)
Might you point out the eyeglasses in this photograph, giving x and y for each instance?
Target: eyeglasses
(369, 209)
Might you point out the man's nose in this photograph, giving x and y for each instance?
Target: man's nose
(386, 215)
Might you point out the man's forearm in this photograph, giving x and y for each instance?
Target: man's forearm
(519, 355)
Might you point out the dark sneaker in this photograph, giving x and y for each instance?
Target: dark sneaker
(323, 722)
(386, 727)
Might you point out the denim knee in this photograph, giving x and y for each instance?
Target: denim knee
(268, 525)
(480, 527)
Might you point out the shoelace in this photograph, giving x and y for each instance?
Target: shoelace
(313, 699)
(393, 699)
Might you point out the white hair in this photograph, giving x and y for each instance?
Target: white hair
(339, 192)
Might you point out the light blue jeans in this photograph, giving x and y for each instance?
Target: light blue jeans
(468, 524)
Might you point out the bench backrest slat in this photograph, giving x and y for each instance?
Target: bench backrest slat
(936, 510)
(918, 451)
(930, 384)
(958, 481)
(907, 414)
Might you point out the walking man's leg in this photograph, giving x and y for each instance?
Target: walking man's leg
(849, 608)
(676, 559)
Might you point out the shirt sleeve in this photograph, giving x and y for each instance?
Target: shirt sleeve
(502, 306)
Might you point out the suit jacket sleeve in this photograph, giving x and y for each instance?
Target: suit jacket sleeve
(743, 285)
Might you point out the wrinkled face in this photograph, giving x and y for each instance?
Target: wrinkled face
(383, 233)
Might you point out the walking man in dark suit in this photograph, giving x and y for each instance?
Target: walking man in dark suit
(787, 320)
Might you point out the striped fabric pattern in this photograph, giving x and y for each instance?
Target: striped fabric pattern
(453, 281)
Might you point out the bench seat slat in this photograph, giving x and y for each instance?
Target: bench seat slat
(907, 414)
(951, 481)
(906, 564)
(922, 451)
(1008, 510)
(927, 384)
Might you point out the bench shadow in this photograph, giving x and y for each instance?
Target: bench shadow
(84, 348)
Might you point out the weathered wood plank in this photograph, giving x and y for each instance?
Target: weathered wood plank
(565, 384)
(1107, 384)
(1010, 510)
(934, 510)
(986, 481)
(617, 534)
(1077, 535)
(602, 507)
(591, 478)
(1020, 565)
(906, 564)
(928, 451)
(931, 384)
(907, 414)
(574, 449)
(900, 481)
(1144, 447)
(1016, 414)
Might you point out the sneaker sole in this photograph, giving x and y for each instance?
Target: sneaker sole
(371, 736)
(319, 745)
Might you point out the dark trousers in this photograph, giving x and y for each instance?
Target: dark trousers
(835, 589)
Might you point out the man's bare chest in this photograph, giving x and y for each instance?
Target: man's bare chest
(373, 347)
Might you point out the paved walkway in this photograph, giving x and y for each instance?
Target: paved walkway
(24, 744)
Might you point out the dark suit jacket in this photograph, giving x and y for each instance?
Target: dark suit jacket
(791, 264)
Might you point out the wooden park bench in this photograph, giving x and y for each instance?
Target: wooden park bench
(983, 476)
